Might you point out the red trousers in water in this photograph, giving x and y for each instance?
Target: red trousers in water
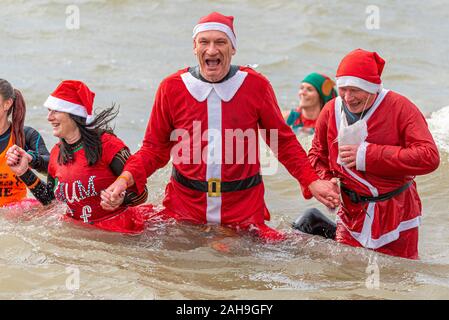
(262, 231)
(132, 221)
(405, 247)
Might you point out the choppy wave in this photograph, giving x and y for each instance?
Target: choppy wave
(175, 260)
(439, 126)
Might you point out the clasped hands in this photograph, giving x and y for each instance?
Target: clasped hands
(18, 160)
(325, 191)
(328, 191)
(113, 196)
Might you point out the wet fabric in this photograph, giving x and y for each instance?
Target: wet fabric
(397, 145)
(12, 189)
(314, 222)
(79, 186)
(405, 247)
(258, 230)
(35, 146)
(245, 102)
(23, 205)
(131, 221)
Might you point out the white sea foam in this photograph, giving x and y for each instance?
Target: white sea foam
(438, 125)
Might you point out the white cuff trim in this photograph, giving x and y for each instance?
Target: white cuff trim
(360, 162)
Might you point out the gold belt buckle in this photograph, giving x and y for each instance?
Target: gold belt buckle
(210, 187)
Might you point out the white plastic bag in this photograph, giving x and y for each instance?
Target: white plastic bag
(353, 134)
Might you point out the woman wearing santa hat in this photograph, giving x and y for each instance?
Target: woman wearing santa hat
(86, 160)
(12, 106)
(315, 91)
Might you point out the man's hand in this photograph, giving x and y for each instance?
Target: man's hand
(327, 192)
(110, 203)
(348, 154)
(18, 160)
(113, 196)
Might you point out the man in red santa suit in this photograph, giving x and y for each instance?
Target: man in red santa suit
(216, 104)
(375, 141)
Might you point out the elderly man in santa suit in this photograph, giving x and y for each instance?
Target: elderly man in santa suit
(375, 141)
(214, 182)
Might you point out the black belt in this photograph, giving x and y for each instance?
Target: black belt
(214, 187)
(356, 198)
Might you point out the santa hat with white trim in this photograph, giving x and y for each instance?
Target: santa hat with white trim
(218, 22)
(74, 97)
(361, 69)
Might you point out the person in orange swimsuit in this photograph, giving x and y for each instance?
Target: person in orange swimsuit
(13, 132)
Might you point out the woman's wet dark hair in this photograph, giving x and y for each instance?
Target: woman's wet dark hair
(90, 136)
(18, 110)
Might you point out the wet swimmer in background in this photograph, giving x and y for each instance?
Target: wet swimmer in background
(13, 191)
(86, 160)
(375, 141)
(315, 91)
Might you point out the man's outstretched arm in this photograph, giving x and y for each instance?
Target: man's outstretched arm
(155, 150)
(291, 154)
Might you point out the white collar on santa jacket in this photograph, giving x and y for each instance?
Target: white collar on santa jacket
(226, 90)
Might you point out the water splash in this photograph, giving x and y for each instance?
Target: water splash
(440, 130)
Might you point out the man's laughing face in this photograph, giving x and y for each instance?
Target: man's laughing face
(214, 52)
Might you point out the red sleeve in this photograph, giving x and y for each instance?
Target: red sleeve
(156, 146)
(111, 146)
(319, 152)
(54, 153)
(290, 152)
(418, 155)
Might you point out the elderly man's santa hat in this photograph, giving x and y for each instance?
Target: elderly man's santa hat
(73, 97)
(361, 69)
(218, 22)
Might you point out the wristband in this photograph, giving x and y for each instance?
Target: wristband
(124, 178)
(35, 183)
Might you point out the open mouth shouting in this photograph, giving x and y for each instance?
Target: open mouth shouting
(214, 52)
(213, 63)
(214, 69)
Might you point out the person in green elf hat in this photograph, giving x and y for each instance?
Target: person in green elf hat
(315, 91)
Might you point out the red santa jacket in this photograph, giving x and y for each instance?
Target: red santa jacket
(188, 107)
(79, 185)
(398, 147)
